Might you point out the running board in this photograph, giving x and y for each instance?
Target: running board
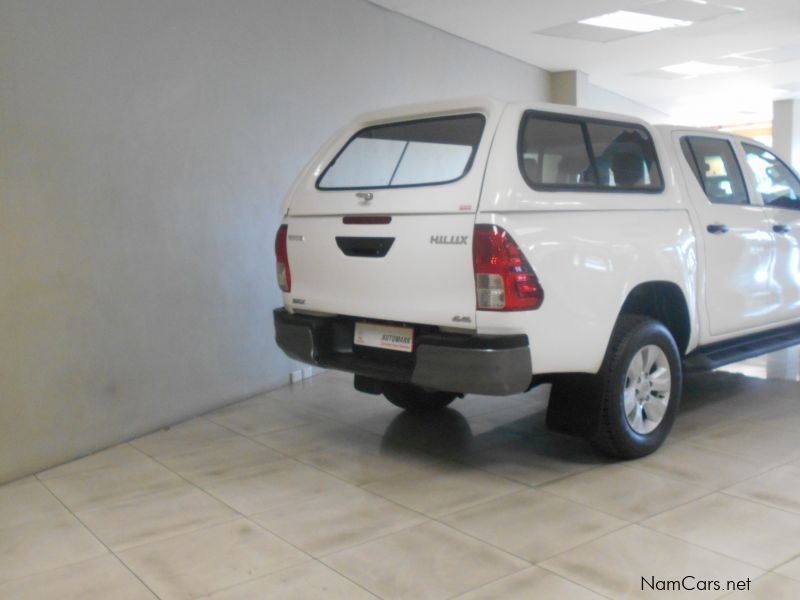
(717, 355)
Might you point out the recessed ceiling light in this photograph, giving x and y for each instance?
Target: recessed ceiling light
(694, 67)
(633, 21)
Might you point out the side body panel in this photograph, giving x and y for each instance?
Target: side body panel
(589, 250)
(588, 262)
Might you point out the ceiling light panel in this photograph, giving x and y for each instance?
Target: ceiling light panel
(688, 10)
(634, 21)
(781, 54)
(658, 74)
(587, 33)
(694, 67)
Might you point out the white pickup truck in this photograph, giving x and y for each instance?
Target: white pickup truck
(484, 247)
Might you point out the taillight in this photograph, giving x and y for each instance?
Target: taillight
(282, 259)
(503, 278)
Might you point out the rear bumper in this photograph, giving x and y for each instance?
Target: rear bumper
(495, 365)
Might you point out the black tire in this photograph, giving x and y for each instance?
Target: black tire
(414, 398)
(615, 434)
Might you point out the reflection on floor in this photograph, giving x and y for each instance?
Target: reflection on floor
(316, 491)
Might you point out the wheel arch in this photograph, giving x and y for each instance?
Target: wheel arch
(663, 301)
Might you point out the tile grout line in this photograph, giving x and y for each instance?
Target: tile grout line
(259, 526)
(95, 536)
(706, 548)
(679, 505)
(437, 519)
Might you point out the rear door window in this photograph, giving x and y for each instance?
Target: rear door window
(575, 153)
(405, 154)
(776, 182)
(715, 166)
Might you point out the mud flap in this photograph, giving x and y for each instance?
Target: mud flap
(574, 406)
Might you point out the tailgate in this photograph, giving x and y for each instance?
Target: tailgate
(415, 269)
(381, 225)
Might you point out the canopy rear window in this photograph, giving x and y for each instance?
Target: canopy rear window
(405, 154)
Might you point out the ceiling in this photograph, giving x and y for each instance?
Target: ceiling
(754, 43)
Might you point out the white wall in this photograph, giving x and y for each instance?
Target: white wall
(599, 98)
(144, 150)
(575, 89)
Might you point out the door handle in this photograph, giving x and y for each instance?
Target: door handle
(781, 228)
(717, 228)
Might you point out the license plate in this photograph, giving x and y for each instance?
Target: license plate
(388, 337)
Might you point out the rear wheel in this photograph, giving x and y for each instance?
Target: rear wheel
(414, 398)
(639, 388)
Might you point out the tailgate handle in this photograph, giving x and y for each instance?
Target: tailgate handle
(366, 247)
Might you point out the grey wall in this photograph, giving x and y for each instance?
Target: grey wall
(144, 150)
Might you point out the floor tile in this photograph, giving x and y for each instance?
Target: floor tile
(122, 455)
(25, 502)
(779, 487)
(279, 483)
(790, 568)
(537, 459)
(443, 488)
(337, 520)
(308, 581)
(20, 481)
(209, 560)
(616, 565)
(337, 401)
(755, 442)
(447, 433)
(429, 561)
(474, 405)
(770, 586)
(308, 438)
(185, 437)
(783, 418)
(364, 461)
(155, 516)
(532, 524)
(626, 493)
(101, 486)
(744, 530)
(259, 415)
(221, 459)
(696, 465)
(45, 544)
(94, 579)
(692, 422)
(533, 582)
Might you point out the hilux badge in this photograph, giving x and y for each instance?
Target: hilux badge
(456, 240)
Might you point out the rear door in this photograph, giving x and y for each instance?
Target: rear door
(739, 280)
(383, 228)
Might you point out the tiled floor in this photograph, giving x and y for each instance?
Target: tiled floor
(315, 491)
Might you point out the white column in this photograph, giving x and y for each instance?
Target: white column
(784, 364)
(569, 87)
(786, 130)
